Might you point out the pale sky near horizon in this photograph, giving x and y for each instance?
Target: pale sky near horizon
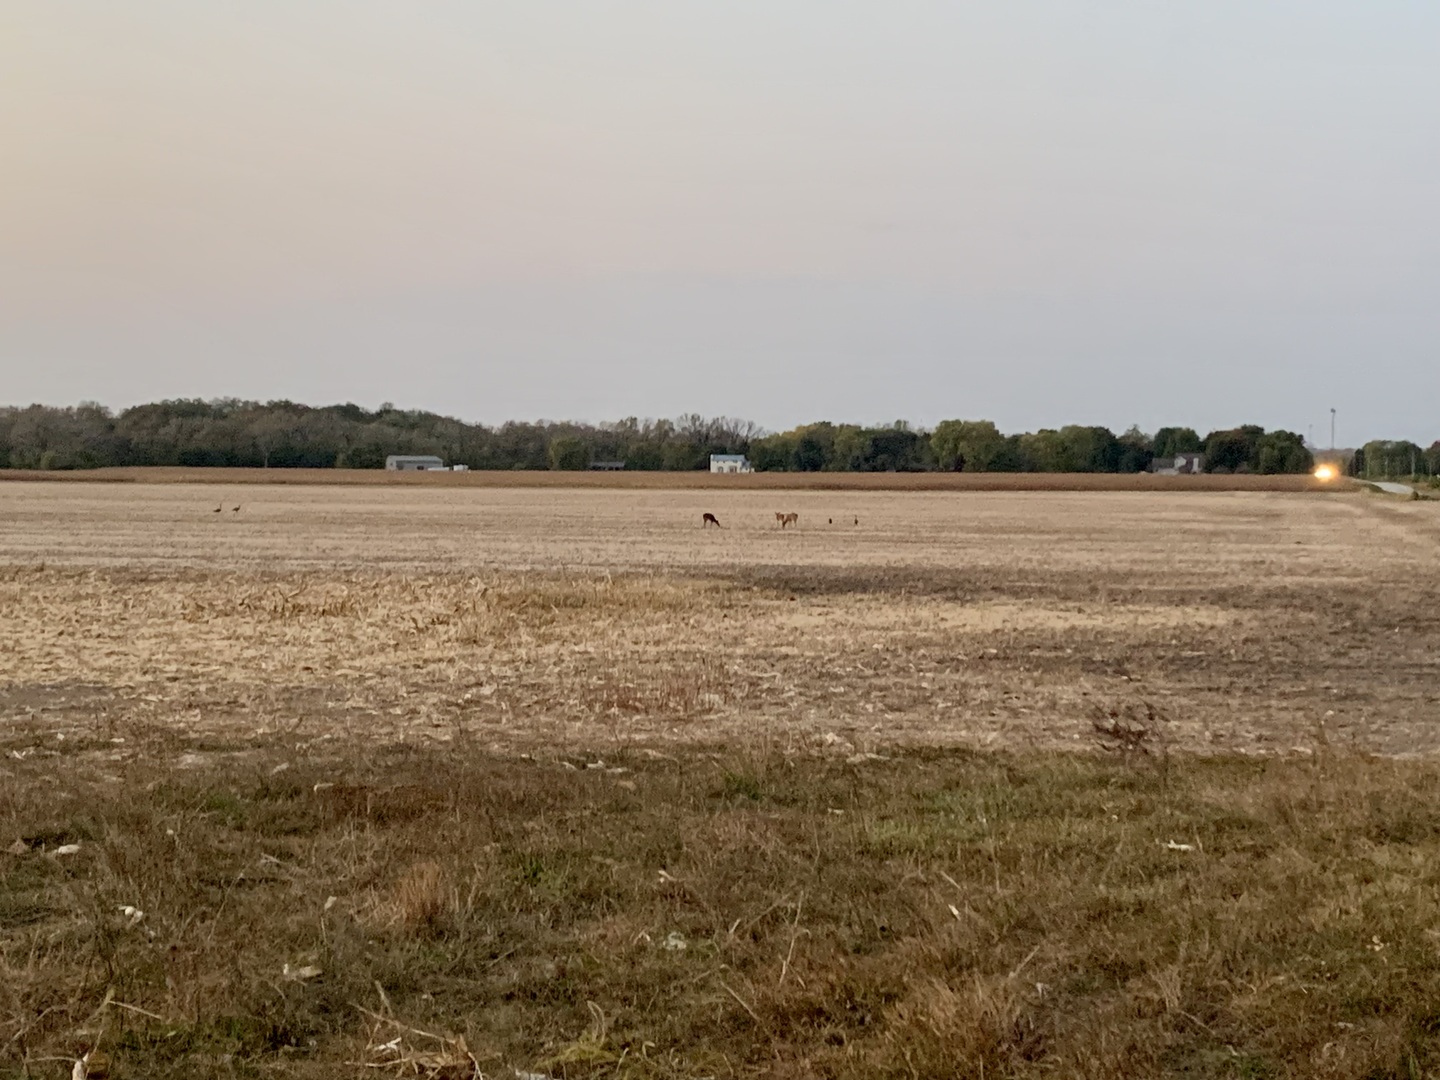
(1206, 212)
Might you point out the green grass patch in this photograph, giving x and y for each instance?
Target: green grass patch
(933, 914)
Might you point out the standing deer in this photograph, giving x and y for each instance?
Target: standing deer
(787, 519)
(710, 519)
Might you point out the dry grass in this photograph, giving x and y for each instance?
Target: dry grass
(423, 900)
(728, 913)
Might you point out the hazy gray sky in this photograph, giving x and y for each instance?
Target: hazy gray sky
(1039, 211)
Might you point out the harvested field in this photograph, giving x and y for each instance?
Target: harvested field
(460, 782)
(670, 481)
(606, 618)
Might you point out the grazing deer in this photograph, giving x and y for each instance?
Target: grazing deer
(787, 519)
(710, 519)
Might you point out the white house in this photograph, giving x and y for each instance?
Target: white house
(1179, 465)
(729, 463)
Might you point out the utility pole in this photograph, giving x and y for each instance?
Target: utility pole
(1332, 429)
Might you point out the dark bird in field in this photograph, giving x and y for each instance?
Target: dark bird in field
(217, 509)
(857, 521)
(234, 509)
(831, 520)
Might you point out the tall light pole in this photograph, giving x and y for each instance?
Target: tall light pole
(1332, 429)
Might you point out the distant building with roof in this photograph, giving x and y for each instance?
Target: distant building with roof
(1179, 465)
(730, 463)
(414, 463)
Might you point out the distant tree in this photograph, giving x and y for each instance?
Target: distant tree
(1282, 452)
(814, 447)
(1045, 451)
(228, 431)
(644, 456)
(1170, 441)
(969, 445)
(1392, 457)
(569, 453)
(683, 455)
(1135, 451)
(521, 446)
(848, 449)
(1235, 450)
(893, 449)
(773, 454)
(365, 455)
(84, 437)
(1090, 449)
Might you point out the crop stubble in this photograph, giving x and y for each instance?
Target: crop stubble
(605, 618)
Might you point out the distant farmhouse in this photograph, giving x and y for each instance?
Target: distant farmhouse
(1179, 465)
(729, 463)
(414, 463)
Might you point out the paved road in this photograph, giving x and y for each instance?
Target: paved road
(1391, 488)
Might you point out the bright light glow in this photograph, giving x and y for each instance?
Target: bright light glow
(1325, 472)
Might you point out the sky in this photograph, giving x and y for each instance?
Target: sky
(1041, 212)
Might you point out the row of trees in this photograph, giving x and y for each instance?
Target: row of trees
(1385, 458)
(282, 434)
(979, 446)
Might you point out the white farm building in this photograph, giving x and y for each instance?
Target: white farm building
(729, 463)
(414, 463)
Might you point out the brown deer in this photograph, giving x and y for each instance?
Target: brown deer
(710, 519)
(787, 519)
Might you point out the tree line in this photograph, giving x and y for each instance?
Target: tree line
(283, 434)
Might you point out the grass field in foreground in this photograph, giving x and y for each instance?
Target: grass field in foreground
(267, 911)
(767, 481)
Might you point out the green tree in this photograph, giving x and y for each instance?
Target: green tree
(1135, 451)
(569, 453)
(1089, 449)
(1234, 450)
(1045, 451)
(1282, 452)
(774, 453)
(1170, 441)
(1392, 457)
(847, 449)
(893, 449)
(969, 445)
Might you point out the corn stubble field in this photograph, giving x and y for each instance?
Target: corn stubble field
(463, 781)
